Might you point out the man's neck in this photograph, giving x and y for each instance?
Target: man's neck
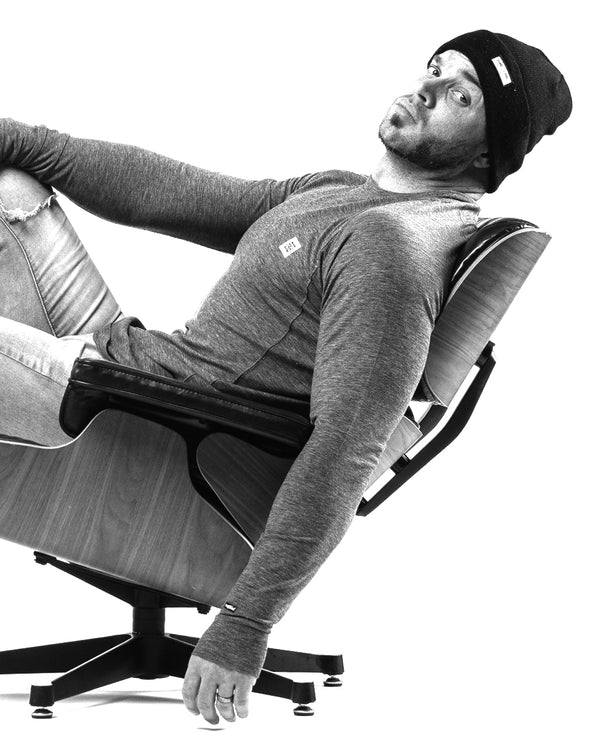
(401, 176)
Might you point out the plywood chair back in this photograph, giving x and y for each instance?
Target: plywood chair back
(492, 268)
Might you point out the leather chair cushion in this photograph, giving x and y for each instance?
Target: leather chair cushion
(97, 384)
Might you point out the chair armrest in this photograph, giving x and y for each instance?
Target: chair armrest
(97, 384)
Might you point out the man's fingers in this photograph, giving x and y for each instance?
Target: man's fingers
(242, 697)
(191, 685)
(205, 681)
(225, 708)
(206, 700)
(242, 706)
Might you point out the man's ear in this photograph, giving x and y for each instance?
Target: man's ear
(482, 161)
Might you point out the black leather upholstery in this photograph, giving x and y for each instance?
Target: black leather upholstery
(96, 385)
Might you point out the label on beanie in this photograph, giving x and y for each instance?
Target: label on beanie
(502, 70)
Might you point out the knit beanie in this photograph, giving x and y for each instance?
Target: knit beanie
(525, 96)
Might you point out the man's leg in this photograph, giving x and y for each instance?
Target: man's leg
(52, 298)
(34, 371)
(47, 278)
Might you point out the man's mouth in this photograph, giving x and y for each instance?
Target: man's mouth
(405, 108)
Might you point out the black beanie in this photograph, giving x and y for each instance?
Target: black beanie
(525, 96)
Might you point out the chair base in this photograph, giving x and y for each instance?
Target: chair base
(148, 653)
(98, 662)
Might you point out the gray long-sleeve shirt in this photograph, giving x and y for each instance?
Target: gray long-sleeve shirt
(327, 307)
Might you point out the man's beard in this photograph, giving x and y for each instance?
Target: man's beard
(434, 155)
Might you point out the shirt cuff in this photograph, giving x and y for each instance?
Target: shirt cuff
(232, 643)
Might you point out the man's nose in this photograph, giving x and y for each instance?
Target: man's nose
(426, 90)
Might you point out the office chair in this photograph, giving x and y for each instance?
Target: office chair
(165, 488)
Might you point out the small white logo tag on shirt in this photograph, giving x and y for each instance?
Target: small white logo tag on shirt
(290, 246)
(502, 70)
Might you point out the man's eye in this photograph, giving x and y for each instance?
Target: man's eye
(462, 97)
(433, 70)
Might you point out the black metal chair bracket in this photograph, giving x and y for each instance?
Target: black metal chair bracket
(406, 468)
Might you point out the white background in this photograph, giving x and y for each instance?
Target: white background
(467, 606)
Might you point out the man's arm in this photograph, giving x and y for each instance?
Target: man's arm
(376, 322)
(130, 185)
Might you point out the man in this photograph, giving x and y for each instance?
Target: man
(327, 307)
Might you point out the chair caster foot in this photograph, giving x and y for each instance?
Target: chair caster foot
(42, 713)
(303, 710)
(332, 681)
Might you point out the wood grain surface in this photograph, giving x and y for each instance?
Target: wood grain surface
(119, 499)
(471, 315)
(247, 478)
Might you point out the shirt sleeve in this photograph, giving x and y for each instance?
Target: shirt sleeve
(139, 188)
(378, 312)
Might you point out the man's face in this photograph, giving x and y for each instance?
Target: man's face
(440, 125)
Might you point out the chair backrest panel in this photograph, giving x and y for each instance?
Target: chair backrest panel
(404, 437)
(484, 286)
(491, 269)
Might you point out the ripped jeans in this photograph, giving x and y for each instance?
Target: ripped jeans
(52, 299)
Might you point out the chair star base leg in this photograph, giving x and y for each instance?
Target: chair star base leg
(281, 660)
(269, 683)
(142, 655)
(303, 693)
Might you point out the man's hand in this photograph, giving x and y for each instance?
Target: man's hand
(202, 681)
